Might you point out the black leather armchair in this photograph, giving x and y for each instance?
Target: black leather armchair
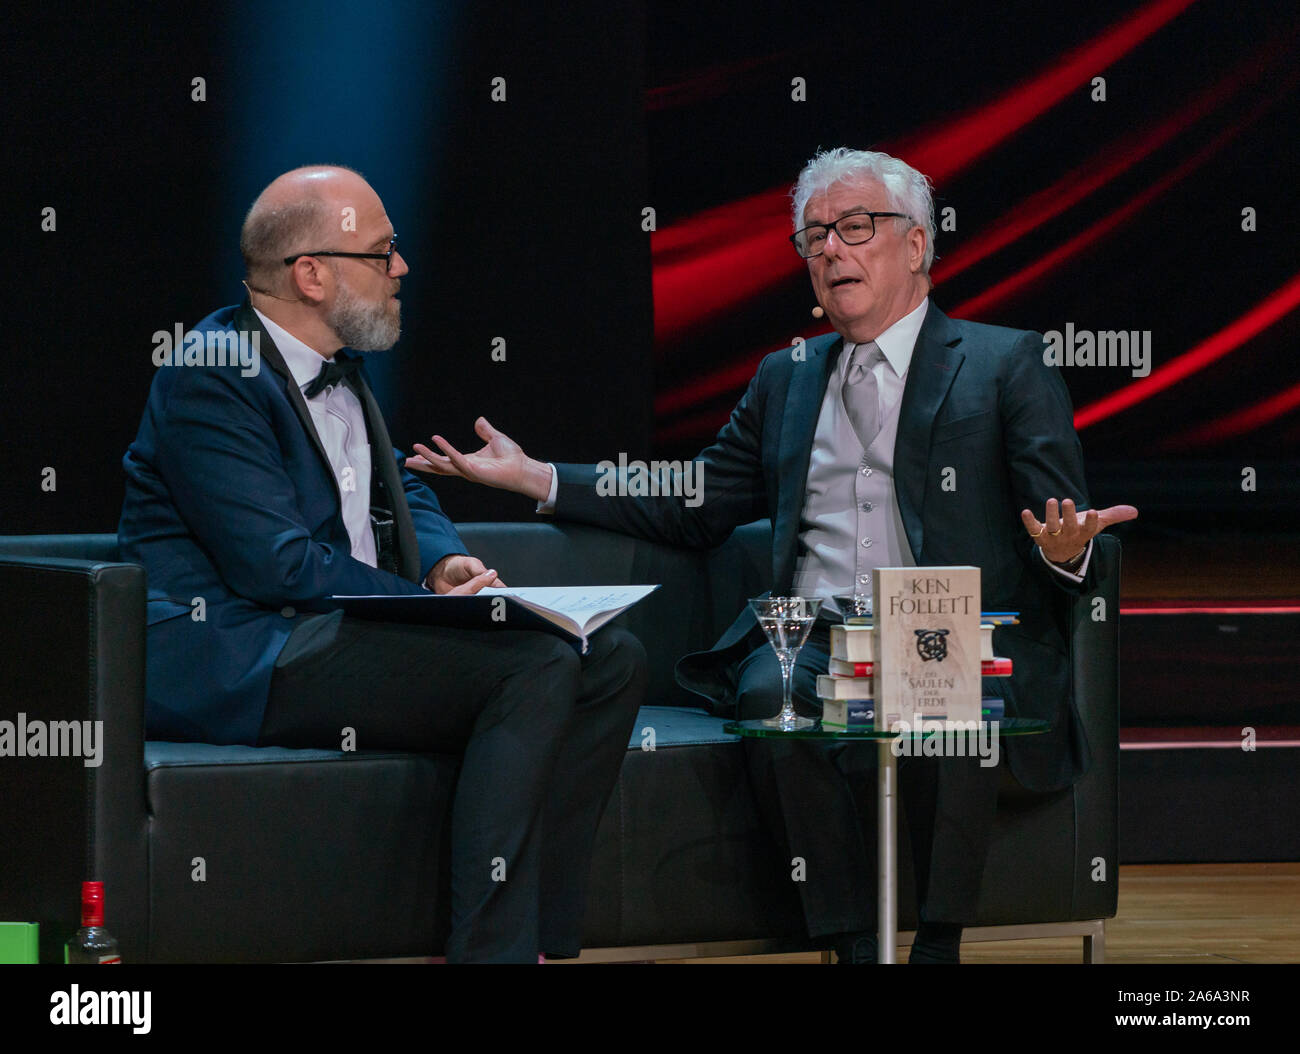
(212, 853)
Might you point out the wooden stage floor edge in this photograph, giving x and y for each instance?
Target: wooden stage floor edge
(1168, 913)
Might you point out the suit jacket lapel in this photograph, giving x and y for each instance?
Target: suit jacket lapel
(933, 368)
(394, 497)
(247, 321)
(803, 404)
(381, 450)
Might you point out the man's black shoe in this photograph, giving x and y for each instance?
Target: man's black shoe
(856, 948)
(936, 942)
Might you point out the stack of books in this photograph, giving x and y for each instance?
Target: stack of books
(848, 691)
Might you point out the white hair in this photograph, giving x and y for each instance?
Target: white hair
(907, 189)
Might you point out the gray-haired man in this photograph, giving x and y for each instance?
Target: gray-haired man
(847, 449)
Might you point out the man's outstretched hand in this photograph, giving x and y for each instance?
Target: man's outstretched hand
(1065, 533)
(500, 462)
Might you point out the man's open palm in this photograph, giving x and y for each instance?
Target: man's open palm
(1065, 531)
(499, 462)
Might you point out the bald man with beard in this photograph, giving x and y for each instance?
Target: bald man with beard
(265, 492)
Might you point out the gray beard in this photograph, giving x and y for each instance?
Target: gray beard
(362, 325)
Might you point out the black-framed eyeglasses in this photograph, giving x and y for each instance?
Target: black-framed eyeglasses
(853, 229)
(386, 257)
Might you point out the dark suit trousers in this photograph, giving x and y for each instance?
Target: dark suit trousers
(818, 799)
(542, 731)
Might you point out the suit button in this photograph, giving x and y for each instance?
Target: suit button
(866, 471)
(864, 579)
(866, 543)
(867, 506)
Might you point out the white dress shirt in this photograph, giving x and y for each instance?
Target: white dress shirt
(341, 427)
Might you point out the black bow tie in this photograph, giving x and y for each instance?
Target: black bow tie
(331, 374)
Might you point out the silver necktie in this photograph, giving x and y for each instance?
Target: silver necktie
(861, 393)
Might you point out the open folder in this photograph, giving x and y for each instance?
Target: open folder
(573, 613)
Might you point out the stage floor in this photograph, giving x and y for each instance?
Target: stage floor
(1169, 913)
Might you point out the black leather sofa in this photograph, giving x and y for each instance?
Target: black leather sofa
(212, 853)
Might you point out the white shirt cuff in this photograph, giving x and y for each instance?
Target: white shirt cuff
(548, 506)
(1073, 576)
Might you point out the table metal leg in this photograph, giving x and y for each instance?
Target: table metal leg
(887, 843)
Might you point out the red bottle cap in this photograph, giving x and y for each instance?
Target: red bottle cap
(92, 903)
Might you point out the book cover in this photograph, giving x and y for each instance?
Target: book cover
(848, 714)
(572, 613)
(857, 643)
(989, 667)
(993, 708)
(853, 643)
(829, 687)
(928, 651)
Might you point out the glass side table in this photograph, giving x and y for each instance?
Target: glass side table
(886, 802)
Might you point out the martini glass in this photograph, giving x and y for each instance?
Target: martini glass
(787, 622)
(855, 607)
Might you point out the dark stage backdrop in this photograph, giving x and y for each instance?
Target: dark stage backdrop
(1113, 166)
(1164, 209)
(519, 219)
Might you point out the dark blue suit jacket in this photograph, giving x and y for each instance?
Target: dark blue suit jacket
(231, 498)
(978, 399)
